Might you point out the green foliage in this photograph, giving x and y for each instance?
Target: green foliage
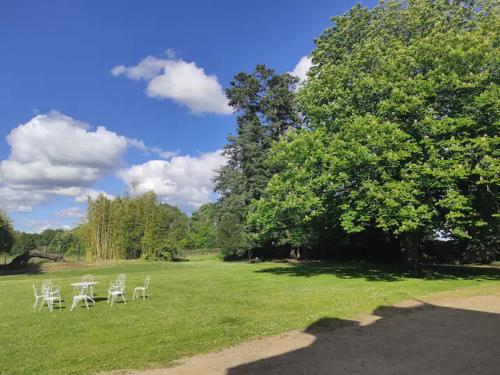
(166, 229)
(402, 110)
(46, 237)
(232, 235)
(24, 242)
(203, 228)
(64, 242)
(133, 226)
(264, 102)
(168, 250)
(6, 233)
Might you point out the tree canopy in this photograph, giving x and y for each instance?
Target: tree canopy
(402, 113)
(264, 102)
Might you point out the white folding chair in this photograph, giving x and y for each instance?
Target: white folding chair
(142, 289)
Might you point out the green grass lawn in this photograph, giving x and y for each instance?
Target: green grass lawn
(195, 306)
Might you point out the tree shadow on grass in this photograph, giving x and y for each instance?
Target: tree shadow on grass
(30, 269)
(100, 299)
(378, 272)
(422, 339)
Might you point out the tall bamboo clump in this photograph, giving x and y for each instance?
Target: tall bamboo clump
(100, 233)
(131, 227)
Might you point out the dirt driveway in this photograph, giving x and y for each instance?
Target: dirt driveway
(448, 333)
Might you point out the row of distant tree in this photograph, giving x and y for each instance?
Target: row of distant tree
(140, 226)
(59, 241)
(128, 227)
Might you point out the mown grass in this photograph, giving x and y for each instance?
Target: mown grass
(195, 306)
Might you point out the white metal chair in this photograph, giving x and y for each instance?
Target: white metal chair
(49, 294)
(37, 296)
(142, 289)
(47, 283)
(116, 289)
(90, 289)
(80, 295)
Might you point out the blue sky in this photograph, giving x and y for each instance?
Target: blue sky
(69, 67)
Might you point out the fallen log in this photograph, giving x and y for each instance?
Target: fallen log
(23, 259)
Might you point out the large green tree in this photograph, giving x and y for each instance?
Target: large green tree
(264, 103)
(402, 110)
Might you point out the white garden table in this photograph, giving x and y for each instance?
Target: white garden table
(83, 286)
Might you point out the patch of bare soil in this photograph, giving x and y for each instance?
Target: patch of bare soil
(454, 332)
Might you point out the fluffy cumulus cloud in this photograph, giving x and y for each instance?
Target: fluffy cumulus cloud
(55, 153)
(20, 201)
(185, 181)
(139, 144)
(302, 68)
(178, 80)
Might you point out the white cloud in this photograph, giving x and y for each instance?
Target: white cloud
(178, 80)
(170, 53)
(18, 200)
(146, 70)
(56, 155)
(56, 152)
(185, 181)
(302, 68)
(139, 144)
(24, 200)
(73, 212)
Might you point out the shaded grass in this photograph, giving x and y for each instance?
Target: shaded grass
(195, 306)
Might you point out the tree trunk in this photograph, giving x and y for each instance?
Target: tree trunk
(410, 244)
(23, 259)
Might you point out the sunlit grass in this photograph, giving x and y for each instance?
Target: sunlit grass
(195, 306)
